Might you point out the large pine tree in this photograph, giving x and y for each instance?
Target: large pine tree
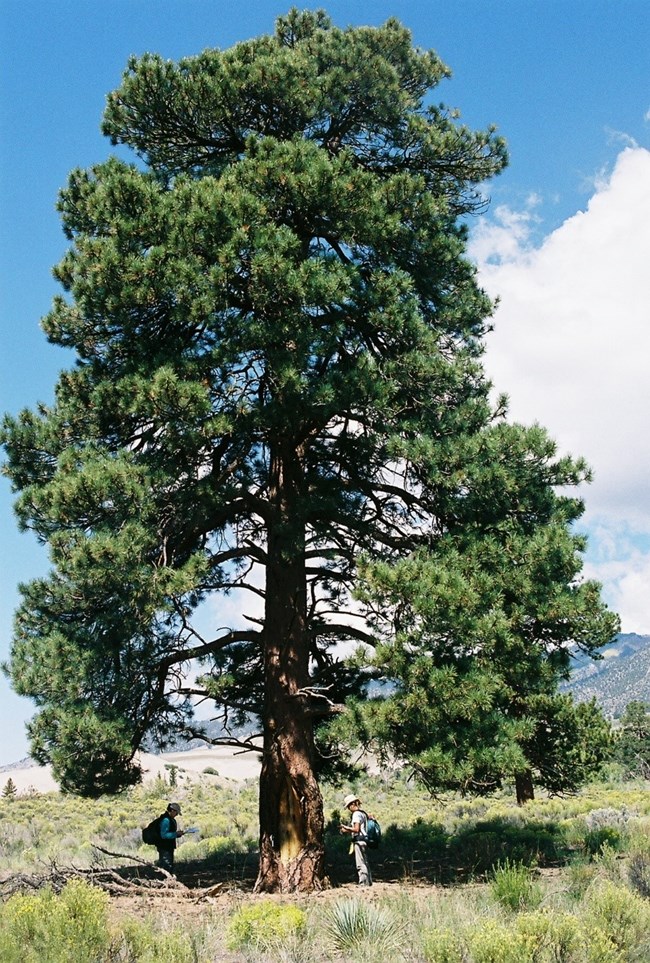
(278, 340)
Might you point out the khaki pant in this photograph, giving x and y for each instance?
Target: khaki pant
(362, 864)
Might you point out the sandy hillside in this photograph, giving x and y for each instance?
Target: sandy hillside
(227, 762)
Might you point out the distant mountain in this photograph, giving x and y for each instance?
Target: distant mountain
(620, 677)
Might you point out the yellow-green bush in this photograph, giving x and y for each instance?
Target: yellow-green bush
(493, 942)
(263, 925)
(152, 943)
(621, 914)
(552, 937)
(441, 945)
(68, 928)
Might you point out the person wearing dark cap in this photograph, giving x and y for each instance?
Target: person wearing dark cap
(359, 834)
(169, 833)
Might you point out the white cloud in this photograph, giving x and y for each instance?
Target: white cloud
(625, 582)
(571, 345)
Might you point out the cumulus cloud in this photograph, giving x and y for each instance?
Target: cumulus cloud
(571, 347)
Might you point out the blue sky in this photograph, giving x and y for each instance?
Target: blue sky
(565, 243)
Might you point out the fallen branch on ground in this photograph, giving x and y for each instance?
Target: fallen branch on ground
(113, 882)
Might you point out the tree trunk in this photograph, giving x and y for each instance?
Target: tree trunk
(524, 787)
(291, 805)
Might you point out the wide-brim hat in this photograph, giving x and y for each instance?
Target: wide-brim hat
(350, 799)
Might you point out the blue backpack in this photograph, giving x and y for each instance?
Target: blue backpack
(373, 832)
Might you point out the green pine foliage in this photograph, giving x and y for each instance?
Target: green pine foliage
(632, 746)
(9, 790)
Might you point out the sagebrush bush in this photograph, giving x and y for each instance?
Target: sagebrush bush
(621, 914)
(609, 817)
(265, 925)
(68, 928)
(639, 874)
(153, 942)
(493, 942)
(442, 945)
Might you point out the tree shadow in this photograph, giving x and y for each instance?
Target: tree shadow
(426, 852)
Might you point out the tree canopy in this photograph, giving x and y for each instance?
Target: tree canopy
(278, 389)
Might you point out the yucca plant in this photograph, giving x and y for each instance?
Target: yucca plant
(363, 930)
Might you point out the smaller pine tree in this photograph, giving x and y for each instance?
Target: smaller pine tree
(10, 790)
(633, 743)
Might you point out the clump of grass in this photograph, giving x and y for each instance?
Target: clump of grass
(580, 874)
(363, 930)
(513, 887)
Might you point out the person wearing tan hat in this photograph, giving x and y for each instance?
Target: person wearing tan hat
(169, 833)
(359, 846)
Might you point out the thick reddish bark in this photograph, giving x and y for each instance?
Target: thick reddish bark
(291, 806)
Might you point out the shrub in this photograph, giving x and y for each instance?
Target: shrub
(580, 875)
(551, 936)
(608, 817)
(639, 874)
(355, 928)
(150, 942)
(69, 928)
(595, 840)
(492, 942)
(476, 851)
(621, 914)
(598, 948)
(513, 888)
(441, 945)
(264, 925)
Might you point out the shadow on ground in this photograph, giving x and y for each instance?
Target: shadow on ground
(422, 853)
